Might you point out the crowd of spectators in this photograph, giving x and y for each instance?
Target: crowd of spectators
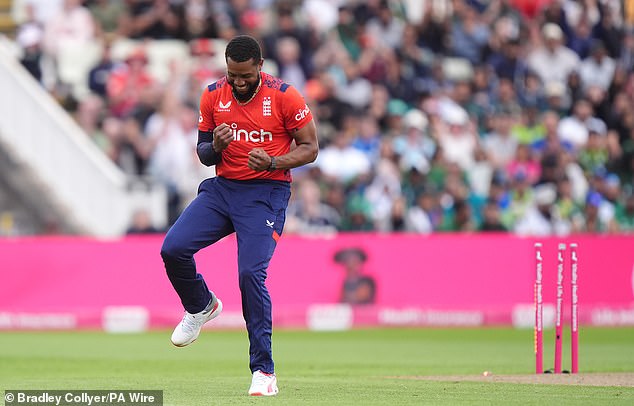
(433, 115)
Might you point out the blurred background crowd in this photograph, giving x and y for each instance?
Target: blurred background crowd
(433, 115)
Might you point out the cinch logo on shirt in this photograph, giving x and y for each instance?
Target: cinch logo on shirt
(302, 113)
(253, 136)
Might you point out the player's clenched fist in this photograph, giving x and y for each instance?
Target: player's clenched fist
(222, 137)
(259, 160)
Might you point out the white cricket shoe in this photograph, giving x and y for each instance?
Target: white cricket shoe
(188, 329)
(263, 384)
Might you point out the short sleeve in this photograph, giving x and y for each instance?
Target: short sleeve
(205, 118)
(296, 112)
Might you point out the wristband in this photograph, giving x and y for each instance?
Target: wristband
(273, 165)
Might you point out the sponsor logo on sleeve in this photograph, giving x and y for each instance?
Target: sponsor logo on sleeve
(302, 113)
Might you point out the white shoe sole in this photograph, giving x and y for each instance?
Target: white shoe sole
(264, 394)
(211, 316)
(275, 391)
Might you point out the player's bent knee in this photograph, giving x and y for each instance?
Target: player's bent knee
(172, 252)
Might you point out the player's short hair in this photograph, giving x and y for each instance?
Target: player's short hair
(242, 48)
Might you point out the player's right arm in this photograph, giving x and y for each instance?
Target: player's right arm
(212, 143)
(212, 140)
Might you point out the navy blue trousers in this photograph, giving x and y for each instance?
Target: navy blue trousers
(255, 210)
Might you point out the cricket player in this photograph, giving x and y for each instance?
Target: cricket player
(254, 128)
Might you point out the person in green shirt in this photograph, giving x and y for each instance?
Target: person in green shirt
(624, 213)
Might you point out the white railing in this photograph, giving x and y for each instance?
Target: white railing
(81, 179)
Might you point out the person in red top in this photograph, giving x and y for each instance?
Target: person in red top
(254, 128)
(126, 82)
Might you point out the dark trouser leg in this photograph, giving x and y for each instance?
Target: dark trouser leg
(258, 226)
(202, 223)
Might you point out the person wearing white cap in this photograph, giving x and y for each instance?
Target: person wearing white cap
(541, 218)
(552, 61)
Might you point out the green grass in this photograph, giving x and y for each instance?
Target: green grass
(343, 368)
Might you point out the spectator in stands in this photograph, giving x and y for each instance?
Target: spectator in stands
(368, 138)
(29, 38)
(539, 218)
(393, 120)
(469, 34)
(414, 148)
(626, 60)
(575, 128)
(457, 137)
(529, 128)
(436, 82)
(509, 64)
(287, 27)
(126, 83)
(73, 26)
(554, 12)
(112, 131)
(557, 98)
(568, 207)
(500, 145)
(288, 58)
(459, 218)
(607, 31)
(99, 74)
(141, 224)
(357, 215)
(581, 39)
(307, 214)
(505, 99)
(385, 188)
(551, 143)
(352, 87)
(412, 56)
(397, 218)
(625, 214)
(200, 20)
(598, 68)
(524, 162)
(107, 15)
(204, 68)
(334, 195)
(44, 10)
(552, 61)
(594, 154)
(385, 29)
(520, 197)
(424, 216)
(133, 149)
(358, 288)
(492, 218)
(160, 19)
(89, 118)
(340, 160)
(171, 138)
(594, 222)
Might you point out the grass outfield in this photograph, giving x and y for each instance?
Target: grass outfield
(361, 367)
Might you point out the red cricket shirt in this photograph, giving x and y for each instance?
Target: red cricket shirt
(267, 121)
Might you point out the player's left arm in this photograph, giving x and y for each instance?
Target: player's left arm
(307, 148)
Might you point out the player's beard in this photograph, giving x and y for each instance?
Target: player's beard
(246, 96)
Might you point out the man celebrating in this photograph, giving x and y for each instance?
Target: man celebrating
(248, 121)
